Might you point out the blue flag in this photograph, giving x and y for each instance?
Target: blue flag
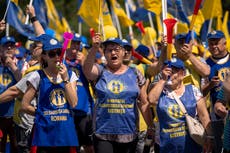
(15, 18)
(41, 12)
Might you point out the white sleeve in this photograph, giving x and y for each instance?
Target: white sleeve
(22, 85)
(34, 79)
(197, 93)
(73, 77)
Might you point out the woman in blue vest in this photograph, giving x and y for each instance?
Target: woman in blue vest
(55, 88)
(174, 136)
(118, 89)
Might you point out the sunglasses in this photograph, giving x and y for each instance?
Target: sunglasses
(55, 52)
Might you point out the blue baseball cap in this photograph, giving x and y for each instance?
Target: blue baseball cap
(76, 37)
(113, 40)
(6, 39)
(20, 52)
(143, 50)
(180, 36)
(176, 62)
(126, 43)
(49, 43)
(215, 35)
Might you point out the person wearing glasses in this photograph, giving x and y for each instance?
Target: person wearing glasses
(174, 136)
(117, 89)
(55, 88)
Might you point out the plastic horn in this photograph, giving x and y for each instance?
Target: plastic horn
(140, 57)
(92, 32)
(67, 39)
(169, 26)
(27, 16)
(140, 27)
(195, 12)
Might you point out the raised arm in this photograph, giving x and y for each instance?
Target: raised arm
(201, 68)
(90, 69)
(157, 89)
(36, 24)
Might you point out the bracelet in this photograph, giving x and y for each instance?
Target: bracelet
(66, 81)
(33, 19)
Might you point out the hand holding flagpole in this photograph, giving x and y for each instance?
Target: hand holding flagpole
(27, 16)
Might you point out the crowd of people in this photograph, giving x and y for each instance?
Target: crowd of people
(118, 104)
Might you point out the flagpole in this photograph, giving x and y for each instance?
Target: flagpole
(27, 15)
(164, 15)
(101, 21)
(7, 30)
(79, 27)
(8, 4)
(116, 21)
(128, 14)
(152, 26)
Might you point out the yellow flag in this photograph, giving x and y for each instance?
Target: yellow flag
(59, 24)
(212, 8)
(198, 22)
(91, 10)
(119, 11)
(219, 23)
(153, 6)
(225, 25)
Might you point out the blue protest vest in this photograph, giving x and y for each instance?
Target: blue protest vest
(85, 100)
(7, 80)
(54, 125)
(116, 109)
(220, 70)
(174, 137)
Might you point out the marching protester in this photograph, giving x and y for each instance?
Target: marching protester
(117, 89)
(174, 136)
(9, 74)
(220, 67)
(54, 126)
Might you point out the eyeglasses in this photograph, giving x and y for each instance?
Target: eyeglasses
(53, 53)
(116, 49)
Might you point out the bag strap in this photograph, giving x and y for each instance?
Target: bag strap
(181, 105)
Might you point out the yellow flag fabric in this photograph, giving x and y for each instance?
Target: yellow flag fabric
(159, 25)
(212, 8)
(153, 6)
(60, 25)
(15, 1)
(198, 22)
(149, 37)
(219, 23)
(225, 25)
(119, 11)
(90, 10)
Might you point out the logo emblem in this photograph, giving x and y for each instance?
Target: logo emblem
(115, 86)
(57, 97)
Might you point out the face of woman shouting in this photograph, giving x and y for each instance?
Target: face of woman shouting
(114, 54)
